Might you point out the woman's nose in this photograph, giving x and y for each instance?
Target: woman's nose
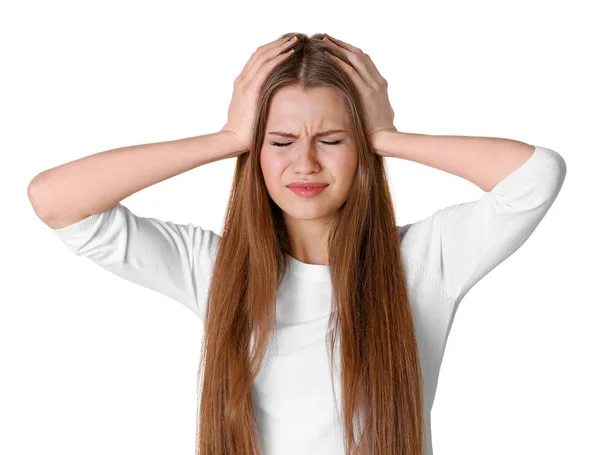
(306, 159)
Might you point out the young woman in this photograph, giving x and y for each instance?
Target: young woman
(324, 322)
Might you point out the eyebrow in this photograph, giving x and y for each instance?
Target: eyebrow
(323, 133)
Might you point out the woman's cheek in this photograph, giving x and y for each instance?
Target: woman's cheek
(273, 168)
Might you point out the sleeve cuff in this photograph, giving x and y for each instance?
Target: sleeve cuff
(542, 158)
(84, 226)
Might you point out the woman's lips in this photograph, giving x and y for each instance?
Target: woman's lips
(307, 192)
(305, 183)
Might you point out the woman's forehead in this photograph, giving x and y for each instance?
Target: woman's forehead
(316, 109)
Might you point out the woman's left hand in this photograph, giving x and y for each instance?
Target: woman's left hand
(371, 85)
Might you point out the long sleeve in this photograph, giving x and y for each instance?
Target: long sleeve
(173, 259)
(462, 243)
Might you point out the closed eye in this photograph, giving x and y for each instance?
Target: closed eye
(285, 144)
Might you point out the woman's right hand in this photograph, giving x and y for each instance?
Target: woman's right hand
(242, 109)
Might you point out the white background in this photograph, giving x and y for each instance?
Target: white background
(94, 364)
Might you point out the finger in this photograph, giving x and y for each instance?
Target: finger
(348, 69)
(263, 53)
(361, 64)
(268, 67)
(369, 66)
(251, 60)
(343, 44)
(266, 54)
(373, 67)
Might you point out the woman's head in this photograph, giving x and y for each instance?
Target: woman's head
(294, 149)
(305, 94)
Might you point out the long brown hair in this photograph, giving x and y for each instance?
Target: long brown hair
(371, 316)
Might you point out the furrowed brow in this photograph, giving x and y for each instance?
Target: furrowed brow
(323, 133)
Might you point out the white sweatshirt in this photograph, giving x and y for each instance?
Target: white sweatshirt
(444, 255)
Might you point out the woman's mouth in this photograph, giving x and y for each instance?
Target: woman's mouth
(307, 191)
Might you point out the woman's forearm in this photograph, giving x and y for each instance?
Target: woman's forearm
(485, 161)
(72, 191)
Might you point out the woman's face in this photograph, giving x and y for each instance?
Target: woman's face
(307, 155)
